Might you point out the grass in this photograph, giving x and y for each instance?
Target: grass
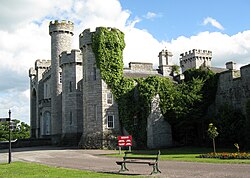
(27, 170)
(189, 154)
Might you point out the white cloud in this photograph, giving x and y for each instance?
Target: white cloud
(24, 38)
(152, 15)
(223, 47)
(213, 22)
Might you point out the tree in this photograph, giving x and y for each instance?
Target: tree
(21, 131)
(212, 133)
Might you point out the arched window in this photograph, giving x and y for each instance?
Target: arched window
(46, 123)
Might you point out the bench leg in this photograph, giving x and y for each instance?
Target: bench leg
(123, 167)
(155, 169)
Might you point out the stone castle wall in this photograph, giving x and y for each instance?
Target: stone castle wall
(61, 39)
(234, 89)
(95, 106)
(69, 98)
(71, 64)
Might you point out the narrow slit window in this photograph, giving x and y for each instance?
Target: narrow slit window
(110, 122)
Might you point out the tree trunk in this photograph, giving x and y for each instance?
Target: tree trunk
(214, 145)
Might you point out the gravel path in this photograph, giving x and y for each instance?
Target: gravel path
(91, 160)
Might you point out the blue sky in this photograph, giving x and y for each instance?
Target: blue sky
(174, 18)
(221, 26)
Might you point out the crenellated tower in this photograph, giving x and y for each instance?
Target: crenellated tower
(61, 39)
(71, 64)
(195, 59)
(100, 111)
(36, 95)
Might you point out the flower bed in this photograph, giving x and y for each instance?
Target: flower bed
(226, 155)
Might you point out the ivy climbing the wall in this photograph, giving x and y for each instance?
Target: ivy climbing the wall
(134, 95)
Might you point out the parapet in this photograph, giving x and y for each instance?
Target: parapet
(85, 38)
(196, 52)
(67, 57)
(165, 52)
(63, 26)
(139, 66)
(42, 64)
(32, 72)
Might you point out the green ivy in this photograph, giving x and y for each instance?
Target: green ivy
(134, 95)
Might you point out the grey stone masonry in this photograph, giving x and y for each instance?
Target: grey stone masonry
(71, 103)
(140, 67)
(36, 94)
(61, 38)
(71, 64)
(234, 88)
(195, 59)
(159, 132)
(96, 108)
(165, 63)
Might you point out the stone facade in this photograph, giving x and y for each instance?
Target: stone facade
(195, 59)
(70, 102)
(234, 88)
(233, 85)
(159, 132)
(61, 38)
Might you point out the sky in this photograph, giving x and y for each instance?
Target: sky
(221, 26)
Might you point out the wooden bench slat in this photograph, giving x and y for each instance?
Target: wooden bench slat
(128, 157)
(139, 160)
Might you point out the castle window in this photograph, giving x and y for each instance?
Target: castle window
(95, 111)
(110, 121)
(94, 73)
(85, 75)
(109, 98)
(60, 77)
(70, 117)
(46, 91)
(70, 86)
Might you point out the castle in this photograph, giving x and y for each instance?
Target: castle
(71, 104)
(69, 100)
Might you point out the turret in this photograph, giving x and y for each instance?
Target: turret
(100, 112)
(61, 39)
(71, 64)
(165, 57)
(195, 59)
(165, 62)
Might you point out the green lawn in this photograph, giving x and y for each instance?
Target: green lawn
(27, 170)
(190, 153)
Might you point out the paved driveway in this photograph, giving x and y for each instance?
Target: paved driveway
(91, 160)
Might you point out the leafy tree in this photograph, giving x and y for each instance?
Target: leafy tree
(212, 133)
(21, 131)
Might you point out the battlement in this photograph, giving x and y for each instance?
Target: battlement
(165, 52)
(67, 57)
(196, 52)
(63, 26)
(47, 73)
(85, 37)
(32, 72)
(42, 64)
